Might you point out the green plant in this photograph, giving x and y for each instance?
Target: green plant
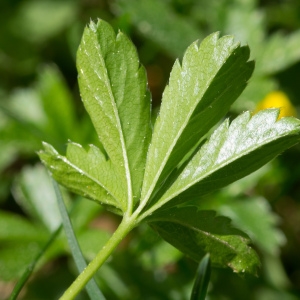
(150, 175)
(173, 25)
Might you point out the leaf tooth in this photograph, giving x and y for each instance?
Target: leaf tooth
(48, 148)
(233, 137)
(211, 148)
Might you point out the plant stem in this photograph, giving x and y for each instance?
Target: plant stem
(124, 228)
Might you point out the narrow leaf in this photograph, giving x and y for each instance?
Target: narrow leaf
(114, 92)
(80, 172)
(233, 152)
(200, 92)
(196, 232)
(202, 279)
(91, 287)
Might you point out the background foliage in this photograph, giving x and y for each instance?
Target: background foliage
(40, 101)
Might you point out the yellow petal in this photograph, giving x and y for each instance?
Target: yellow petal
(278, 99)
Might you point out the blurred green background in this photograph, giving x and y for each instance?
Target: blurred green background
(39, 101)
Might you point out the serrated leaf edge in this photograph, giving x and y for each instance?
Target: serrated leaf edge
(213, 38)
(49, 148)
(223, 164)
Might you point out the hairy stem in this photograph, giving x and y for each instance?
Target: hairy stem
(124, 228)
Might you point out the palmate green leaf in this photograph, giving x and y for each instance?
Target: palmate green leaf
(233, 152)
(86, 173)
(197, 232)
(199, 93)
(114, 91)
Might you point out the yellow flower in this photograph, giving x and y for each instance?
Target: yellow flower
(278, 99)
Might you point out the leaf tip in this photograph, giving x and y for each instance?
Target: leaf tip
(93, 26)
(48, 148)
(215, 36)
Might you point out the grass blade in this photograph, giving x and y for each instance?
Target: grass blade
(202, 279)
(92, 288)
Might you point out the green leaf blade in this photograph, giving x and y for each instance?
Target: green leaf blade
(255, 217)
(199, 93)
(94, 163)
(233, 152)
(197, 232)
(82, 179)
(114, 91)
